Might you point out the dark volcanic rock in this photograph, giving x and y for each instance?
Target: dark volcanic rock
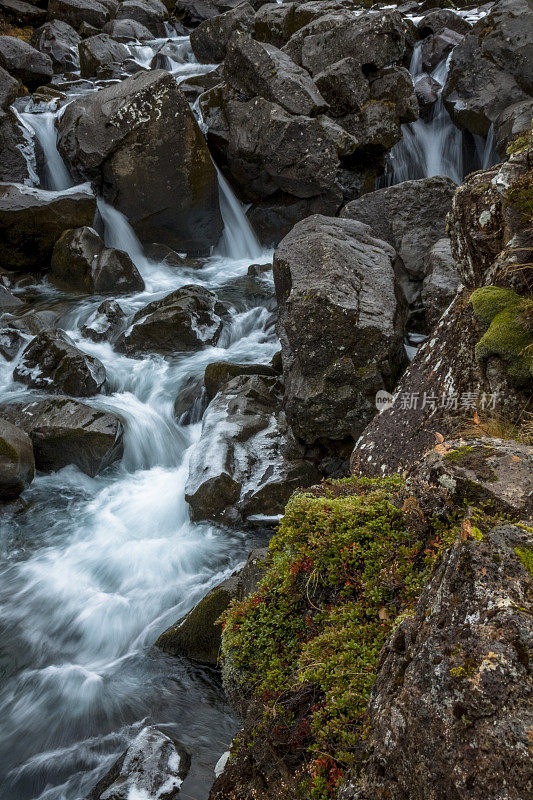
(18, 163)
(187, 319)
(9, 89)
(344, 86)
(150, 13)
(450, 711)
(441, 281)
(209, 41)
(82, 263)
(340, 325)
(438, 46)
(410, 216)
(218, 373)
(76, 12)
(64, 431)
(22, 13)
(52, 361)
(100, 52)
(59, 41)
(32, 220)
(105, 323)
(17, 465)
(24, 62)
(140, 143)
(154, 765)
(127, 30)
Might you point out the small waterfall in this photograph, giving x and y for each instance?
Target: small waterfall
(56, 175)
(238, 241)
(119, 234)
(486, 149)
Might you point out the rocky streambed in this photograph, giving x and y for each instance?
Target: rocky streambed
(226, 229)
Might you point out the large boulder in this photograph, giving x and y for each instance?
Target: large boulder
(139, 142)
(32, 220)
(24, 62)
(9, 89)
(22, 13)
(82, 263)
(246, 462)
(193, 12)
(441, 282)
(150, 13)
(154, 765)
(77, 12)
(209, 41)
(410, 216)
(59, 41)
(198, 634)
(100, 52)
(344, 86)
(187, 319)
(341, 325)
(450, 709)
(21, 157)
(64, 431)
(52, 362)
(127, 30)
(17, 464)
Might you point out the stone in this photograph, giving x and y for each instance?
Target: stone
(154, 765)
(105, 323)
(17, 464)
(410, 216)
(185, 320)
(193, 12)
(127, 30)
(513, 121)
(441, 282)
(394, 85)
(340, 324)
(64, 431)
(8, 301)
(9, 89)
(19, 162)
(197, 635)
(274, 23)
(11, 342)
(246, 462)
(140, 144)
(59, 41)
(437, 46)
(343, 86)
(22, 13)
(32, 220)
(209, 41)
(439, 19)
(76, 12)
(52, 361)
(82, 263)
(218, 373)
(150, 13)
(24, 62)
(427, 93)
(273, 219)
(260, 69)
(98, 52)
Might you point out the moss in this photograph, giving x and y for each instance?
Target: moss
(7, 451)
(525, 554)
(520, 196)
(474, 458)
(465, 671)
(519, 143)
(488, 301)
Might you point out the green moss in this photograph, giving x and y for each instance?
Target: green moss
(474, 458)
(7, 451)
(465, 671)
(488, 301)
(520, 196)
(525, 554)
(521, 142)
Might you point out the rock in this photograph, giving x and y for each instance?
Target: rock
(258, 270)
(150, 13)
(513, 121)
(24, 62)
(127, 30)
(59, 41)
(274, 23)
(139, 142)
(209, 41)
(187, 319)
(9, 89)
(21, 13)
(437, 46)
(82, 263)
(439, 19)
(450, 709)
(52, 361)
(410, 216)
(193, 12)
(17, 465)
(197, 635)
(274, 219)
(64, 431)
(99, 52)
(343, 86)
(8, 301)
(246, 462)
(105, 323)
(259, 69)
(19, 154)
(218, 373)
(154, 765)
(394, 85)
(32, 220)
(76, 12)
(427, 92)
(11, 341)
(33, 322)
(441, 282)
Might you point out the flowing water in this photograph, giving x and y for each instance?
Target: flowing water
(96, 568)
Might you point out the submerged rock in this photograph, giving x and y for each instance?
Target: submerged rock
(17, 464)
(153, 766)
(105, 323)
(52, 361)
(64, 431)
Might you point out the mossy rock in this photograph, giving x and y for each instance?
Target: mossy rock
(520, 196)
(220, 372)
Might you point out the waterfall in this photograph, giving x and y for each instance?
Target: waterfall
(238, 241)
(56, 175)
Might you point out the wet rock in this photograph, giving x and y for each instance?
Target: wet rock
(394, 85)
(99, 52)
(22, 13)
(272, 220)
(8, 301)
(439, 19)
(105, 323)
(141, 145)
(150, 13)
(154, 765)
(127, 30)
(209, 41)
(343, 86)
(32, 220)
(259, 69)
(33, 322)
(76, 12)
(19, 154)
(340, 325)
(197, 635)
(218, 373)
(64, 431)
(24, 62)
(82, 263)
(427, 92)
(9, 89)
(192, 12)
(187, 319)
(59, 41)
(17, 465)
(450, 710)
(410, 216)
(246, 462)
(438, 46)
(52, 361)
(11, 341)
(441, 282)
(512, 122)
